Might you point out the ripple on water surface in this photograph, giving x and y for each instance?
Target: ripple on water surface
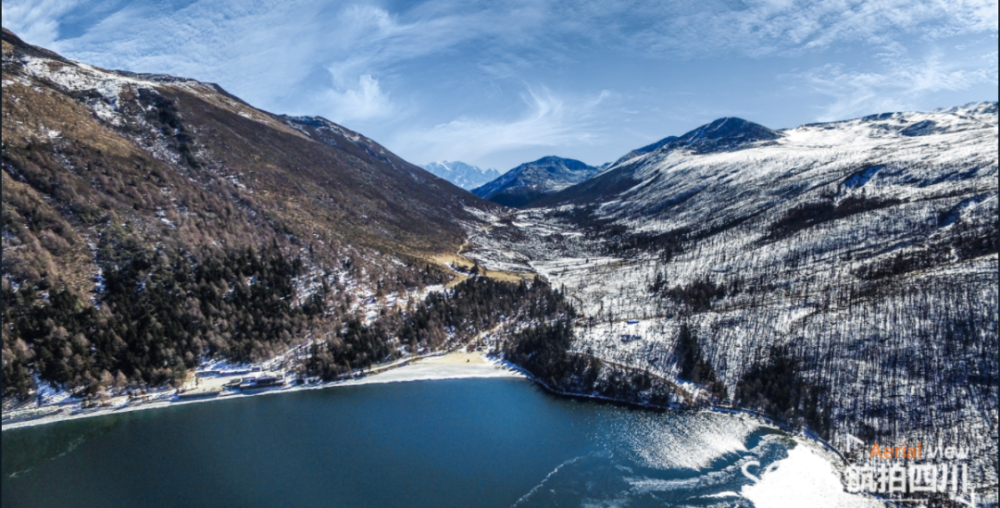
(662, 459)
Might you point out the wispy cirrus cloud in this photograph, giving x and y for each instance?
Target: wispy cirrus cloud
(897, 88)
(273, 52)
(766, 27)
(37, 21)
(453, 70)
(547, 121)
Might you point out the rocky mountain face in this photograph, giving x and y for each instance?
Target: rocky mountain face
(151, 221)
(841, 276)
(461, 174)
(529, 182)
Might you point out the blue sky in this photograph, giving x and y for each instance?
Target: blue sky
(496, 83)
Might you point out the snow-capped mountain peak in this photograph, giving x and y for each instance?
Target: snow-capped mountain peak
(724, 135)
(534, 180)
(461, 174)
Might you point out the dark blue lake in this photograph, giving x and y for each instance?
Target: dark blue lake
(455, 443)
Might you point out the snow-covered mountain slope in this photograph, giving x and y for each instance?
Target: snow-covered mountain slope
(531, 181)
(864, 249)
(463, 175)
(646, 149)
(724, 134)
(911, 148)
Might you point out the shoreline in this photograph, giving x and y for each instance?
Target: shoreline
(823, 449)
(454, 365)
(433, 367)
(437, 366)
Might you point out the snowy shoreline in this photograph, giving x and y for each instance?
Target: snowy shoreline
(442, 366)
(821, 461)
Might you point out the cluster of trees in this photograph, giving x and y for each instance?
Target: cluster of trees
(158, 314)
(544, 351)
(694, 367)
(618, 240)
(479, 304)
(807, 215)
(965, 241)
(901, 263)
(352, 347)
(474, 306)
(667, 245)
(775, 387)
(697, 296)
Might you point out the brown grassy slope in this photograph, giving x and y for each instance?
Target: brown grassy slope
(183, 164)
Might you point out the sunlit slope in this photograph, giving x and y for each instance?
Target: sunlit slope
(184, 162)
(151, 222)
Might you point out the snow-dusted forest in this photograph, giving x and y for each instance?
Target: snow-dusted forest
(859, 255)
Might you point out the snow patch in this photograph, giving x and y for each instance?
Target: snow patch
(805, 478)
(437, 371)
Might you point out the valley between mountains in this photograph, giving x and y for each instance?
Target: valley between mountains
(840, 278)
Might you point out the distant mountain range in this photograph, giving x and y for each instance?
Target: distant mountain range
(726, 136)
(461, 174)
(529, 182)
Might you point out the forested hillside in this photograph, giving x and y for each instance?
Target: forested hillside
(150, 222)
